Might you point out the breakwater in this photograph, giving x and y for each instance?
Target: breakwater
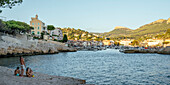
(159, 51)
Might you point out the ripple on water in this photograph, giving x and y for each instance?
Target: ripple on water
(101, 67)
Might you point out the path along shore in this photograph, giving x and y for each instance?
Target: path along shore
(8, 78)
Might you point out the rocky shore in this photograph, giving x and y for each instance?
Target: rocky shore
(20, 45)
(165, 50)
(8, 78)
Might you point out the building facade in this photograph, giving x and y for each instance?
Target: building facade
(126, 42)
(57, 34)
(106, 42)
(38, 26)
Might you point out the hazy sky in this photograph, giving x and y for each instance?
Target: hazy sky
(91, 15)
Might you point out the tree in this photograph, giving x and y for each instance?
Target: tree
(65, 38)
(116, 43)
(134, 43)
(2, 26)
(50, 27)
(18, 26)
(168, 33)
(9, 3)
(107, 38)
(165, 36)
(42, 35)
(14, 27)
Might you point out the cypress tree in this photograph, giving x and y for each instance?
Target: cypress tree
(65, 38)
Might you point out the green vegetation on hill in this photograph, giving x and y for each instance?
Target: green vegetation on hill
(14, 27)
(151, 29)
(117, 33)
(78, 34)
(156, 28)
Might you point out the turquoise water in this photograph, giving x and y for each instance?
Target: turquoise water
(101, 67)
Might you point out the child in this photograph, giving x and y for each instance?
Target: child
(29, 72)
(17, 72)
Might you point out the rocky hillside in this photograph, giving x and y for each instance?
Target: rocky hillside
(19, 45)
(77, 34)
(157, 27)
(118, 31)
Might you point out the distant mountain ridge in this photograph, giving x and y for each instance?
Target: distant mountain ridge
(157, 27)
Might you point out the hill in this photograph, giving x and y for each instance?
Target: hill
(154, 28)
(118, 31)
(78, 34)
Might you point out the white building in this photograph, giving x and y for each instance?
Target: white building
(57, 34)
(126, 42)
(154, 42)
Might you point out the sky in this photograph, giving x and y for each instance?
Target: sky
(90, 15)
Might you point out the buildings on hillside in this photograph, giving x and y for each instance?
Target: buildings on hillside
(146, 43)
(85, 44)
(126, 42)
(39, 27)
(106, 42)
(157, 42)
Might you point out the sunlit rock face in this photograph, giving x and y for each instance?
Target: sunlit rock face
(168, 21)
(158, 21)
(121, 27)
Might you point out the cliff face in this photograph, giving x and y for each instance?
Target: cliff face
(10, 46)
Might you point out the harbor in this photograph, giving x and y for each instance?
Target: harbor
(84, 42)
(100, 67)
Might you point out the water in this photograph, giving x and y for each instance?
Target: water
(101, 67)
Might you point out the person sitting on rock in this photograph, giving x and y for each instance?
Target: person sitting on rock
(17, 72)
(29, 72)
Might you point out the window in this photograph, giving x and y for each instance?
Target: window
(38, 28)
(38, 23)
(43, 28)
(32, 32)
(35, 27)
(38, 32)
(32, 23)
